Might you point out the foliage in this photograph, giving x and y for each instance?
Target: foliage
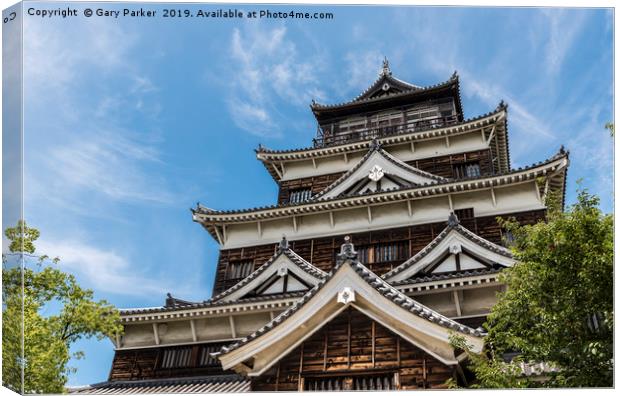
(610, 127)
(489, 370)
(47, 338)
(558, 303)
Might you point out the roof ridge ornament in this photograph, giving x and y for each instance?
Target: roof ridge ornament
(455, 75)
(453, 220)
(347, 250)
(385, 71)
(374, 144)
(283, 245)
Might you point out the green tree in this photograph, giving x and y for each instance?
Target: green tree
(47, 339)
(558, 303)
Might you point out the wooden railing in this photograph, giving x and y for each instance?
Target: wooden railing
(326, 137)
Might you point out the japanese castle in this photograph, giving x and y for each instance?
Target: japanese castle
(384, 242)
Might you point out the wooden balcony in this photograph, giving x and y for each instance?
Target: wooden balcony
(330, 136)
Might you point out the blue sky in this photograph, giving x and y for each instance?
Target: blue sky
(130, 122)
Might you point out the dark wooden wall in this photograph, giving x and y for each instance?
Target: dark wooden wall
(146, 364)
(322, 251)
(440, 166)
(352, 344)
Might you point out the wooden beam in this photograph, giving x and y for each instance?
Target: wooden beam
(331, 219)
(493, 197)
(373, 332)
(314, 163)
(491, 135)
(484, 138)
(224, 232)
(325, 349)
(193, 326)
(409, 208)
(156, 333)
(271, 315)
(450, 203)
(218, 235)
(346, 158)
(457, 302)
(259, 229)
(349, 338)
(233, 331)
(117, 339)
(538, 192)
(447, 141)
(412, 147)
(295, 223)
(369, 214)
(275, 168)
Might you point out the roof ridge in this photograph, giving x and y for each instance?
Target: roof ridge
(371, 279)
(457, 227)
(439, 184)
(287, 251)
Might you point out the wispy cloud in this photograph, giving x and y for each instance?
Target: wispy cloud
(106, 271)
(268, 73)
(563, 26)
(106, 140)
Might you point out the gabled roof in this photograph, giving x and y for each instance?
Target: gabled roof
(389, 164)
(386, 86)
(284, 259)
(453, 239)
(349, 283)
(554, 167)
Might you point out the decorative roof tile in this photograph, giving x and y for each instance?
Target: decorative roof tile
(283, 249)
(453, 225)
(348, 256)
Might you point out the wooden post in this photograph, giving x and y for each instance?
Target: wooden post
(349, 338)
(325, 349)
(373, 331)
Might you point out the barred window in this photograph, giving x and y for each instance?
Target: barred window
(239, 269)
(382, 382)
(468, 169)
(464, 214)
(300, 195)
(205, 355)
(383, 252)
(176, 358)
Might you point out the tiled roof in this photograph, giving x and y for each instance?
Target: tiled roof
(210, 303)
(283, 249)
(446, 276)
(453, 225)
(376, 147)
(378, 284)
(214, 384)
(208, 211)
(408, 89)
(383, 140)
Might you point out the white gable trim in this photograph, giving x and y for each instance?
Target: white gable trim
(281, 263)
(453, 241)
(386, 162)
(271, 346)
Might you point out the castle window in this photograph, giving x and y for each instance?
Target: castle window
(176, 358)
(383, 252)
(239, 269)
(381, 382)
(464, 214)
(300, 195)
(205, 355)
(468, 169)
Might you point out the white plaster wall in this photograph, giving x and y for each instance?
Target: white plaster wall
(425, 210)
(178, 331)
(248, 324)
(138, 335)
(479, 301)
(440, 302)
(470, 141)
(215, 328)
